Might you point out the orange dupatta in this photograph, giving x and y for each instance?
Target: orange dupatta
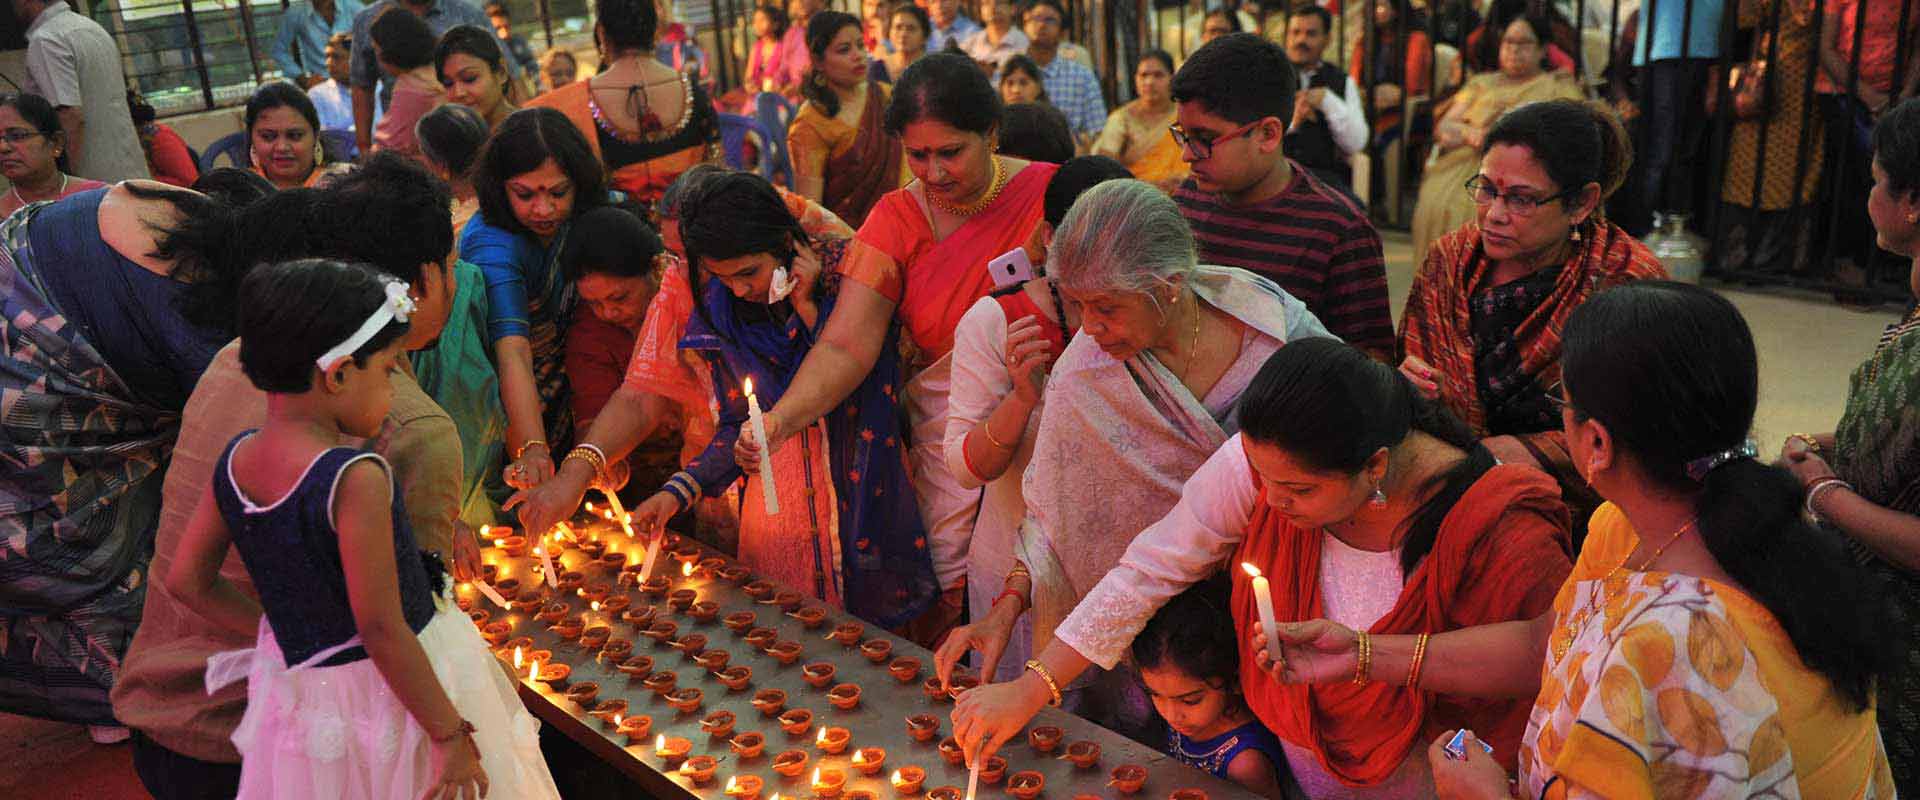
(1500, 555)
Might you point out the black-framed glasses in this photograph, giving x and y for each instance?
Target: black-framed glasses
(1203, 148)
(19, 136)
(1483, 192)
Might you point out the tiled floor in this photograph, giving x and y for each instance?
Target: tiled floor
(1808, 345)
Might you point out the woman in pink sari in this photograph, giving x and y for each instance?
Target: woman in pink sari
(925, 258)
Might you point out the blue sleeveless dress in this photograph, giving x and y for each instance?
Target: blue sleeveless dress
(1213, 755)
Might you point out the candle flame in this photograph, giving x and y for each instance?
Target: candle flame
(856, 757)
(595, 605)
(484, 529)
(660, 743)
(516, 659)
(686, 569)
(617, 719)
(822, 738)
(589, 506)
(748, 385)
(731, 784)
(897, 778)
(1251, 569)
(499, 543)
(816, 770)
(533, 671)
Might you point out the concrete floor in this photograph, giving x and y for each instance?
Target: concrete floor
(1808, 346)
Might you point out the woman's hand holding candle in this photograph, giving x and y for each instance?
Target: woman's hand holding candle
(1317, 651)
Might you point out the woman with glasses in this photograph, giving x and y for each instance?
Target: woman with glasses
(32, 145)
(1481, 330)
(1459, 136)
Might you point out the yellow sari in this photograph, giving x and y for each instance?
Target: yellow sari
(1143, 144)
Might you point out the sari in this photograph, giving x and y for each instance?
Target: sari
(1664, 685)
(857, 163)
(844, 483)
(457, 372)
(1144, 144)
(642, 166)
(1443, 204)
(1874, 449)
(1500, 554)
(528, 296)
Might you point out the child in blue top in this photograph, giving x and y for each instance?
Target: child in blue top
(364, 681)
(1189, 662)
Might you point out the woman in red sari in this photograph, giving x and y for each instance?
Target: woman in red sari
(925, 263)
(1355, 498)
(843, 156)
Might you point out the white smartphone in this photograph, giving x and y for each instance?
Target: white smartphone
(1011, 268)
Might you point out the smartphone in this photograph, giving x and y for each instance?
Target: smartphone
(1011, 268)
(1456, 747)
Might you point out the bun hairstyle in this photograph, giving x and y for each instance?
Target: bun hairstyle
(1670, 369)
(949, 88)
(1577, 141)
(627, 24)
(821, 30)
(293, 311)
(1194, 633)
(1330, 406)
(611, 240)
(451, 136)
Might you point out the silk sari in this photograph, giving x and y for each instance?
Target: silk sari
(869, 168)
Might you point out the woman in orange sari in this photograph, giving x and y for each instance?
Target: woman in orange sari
(843, 156)
(647, 122)
(925, 260)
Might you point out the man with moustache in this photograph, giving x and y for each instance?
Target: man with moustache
(1329, 125)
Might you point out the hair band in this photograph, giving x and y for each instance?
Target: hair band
(1698, 468)
(396, 308)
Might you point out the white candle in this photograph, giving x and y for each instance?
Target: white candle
(490, 594)
(1263, 596)
(755, 419)
(619, 512)
(546, 565)
(653, 554)
(973, 779)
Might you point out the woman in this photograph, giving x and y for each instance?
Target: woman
(1353, 497)
(1708, 643)
(168, 158)
(535, 177)
(646, 122)
(1020, 82)
(283, 136)
(1166, 349)
(1463, 131)
(927, 247)
(1860, 478)
(472, 69)
(843, 157)
(1481, 330)
(1398, 65)
(1482, 51)
(32, 145)
(1138, 133)
(403, 46)
(766, 291)
(1768, 233)
(559, 67)
(764, 67)
(450, 140)
(908, 28)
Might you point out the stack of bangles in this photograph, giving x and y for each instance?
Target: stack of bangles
(592, 454)
(1819, 487)
(683, 488)
(1018, 571)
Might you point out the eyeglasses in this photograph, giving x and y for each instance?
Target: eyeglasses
(18, 136)
(1043, 20)
(1483, 193)
(1203, 148)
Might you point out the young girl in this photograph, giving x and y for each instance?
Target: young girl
(364, 682)
(1187, 659)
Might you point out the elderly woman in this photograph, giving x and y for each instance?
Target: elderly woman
(1862, 478)
(1708, 643)
(31, 147)
(283, 136)
(1460, 135)
(1165, 350)
(927, 247)
(1481, 330)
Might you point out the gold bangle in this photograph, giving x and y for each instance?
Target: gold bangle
(1363, 668)
(590, 454)
(517, 454)
(1419, 656)
(986, 427)
(1053, 686)
(1813, 445)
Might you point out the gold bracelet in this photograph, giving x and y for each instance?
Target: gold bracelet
(1813, 445)
(590, 454)
(1053, 687)
(1419, 656)
(1363, 668)
(525, 447)
(986, 427)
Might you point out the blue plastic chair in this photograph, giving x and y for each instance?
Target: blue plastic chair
(734, 130)
(233, 146)
(775, 113)
(339, 145)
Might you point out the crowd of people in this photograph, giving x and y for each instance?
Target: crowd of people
(1519, 543)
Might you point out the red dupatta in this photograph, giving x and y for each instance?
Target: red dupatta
(856, 179)
(1500, 555)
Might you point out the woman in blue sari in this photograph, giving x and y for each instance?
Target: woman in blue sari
(765, 290)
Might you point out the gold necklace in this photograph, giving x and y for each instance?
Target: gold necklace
(993, 193)
(1577, 622)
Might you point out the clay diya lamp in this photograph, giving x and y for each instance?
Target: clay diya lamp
(1128, 778)
(860, 794)
(616, 604)
(935, 691)
(744, 787)
(615, 650)
(712, 660)
(923, 727)
(596, 637)
(553, 612)
(686, 701)
(568, 629)
(993, 770)
(810, 617)
(770, 702)
(637, 666)
(681, 599)
(1187, 794)
(909, 779)
(950, 750)
(735, 575)
(496, 632)
(638, 617)
(704, 611)
(529, 601)
(687, 555)
(512, 545)
(615, 559)
(700, 769)
(655, 586)
(570, 581)
(758, 590)
(904, 669)
(634, 728)
(739, 622)
(607, 710)
(827, 783)
(691, 645)
(734, 678)
(583, 693)
(660, 682)
(671, 749)
(762, 638)
(848, 634)
(818, 674)
(960, 683)
(540, 656)
(710, 566)
(796, 722)
(718, 724)
(662, 631)
(1026, 784)
(594, 593)
(785, 652)
(554, 675)
(944, 793)
(869, 760)
(593, 547)
(1044, 739)
(464, 604)
(490, 572)
(876, 650)
(790, 763)
(479, 616)
(845, 697)
(520, 643)
(1083, 754)
(749, 745)
(786, 599)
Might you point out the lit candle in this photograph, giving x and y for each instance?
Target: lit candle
(1263, 596)
(486, 532)
(489, 593)
(533, 672)
(516, 659)
(546, 565)
(758, 421)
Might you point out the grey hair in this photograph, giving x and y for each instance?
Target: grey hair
(1122, 236)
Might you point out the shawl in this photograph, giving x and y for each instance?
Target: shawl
(856, 179)
(1500, 555)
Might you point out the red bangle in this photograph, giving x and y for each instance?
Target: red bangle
(1013, 593)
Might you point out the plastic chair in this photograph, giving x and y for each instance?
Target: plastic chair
(233, 146)
(339, 145)
(734, 130)
(775, 113)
